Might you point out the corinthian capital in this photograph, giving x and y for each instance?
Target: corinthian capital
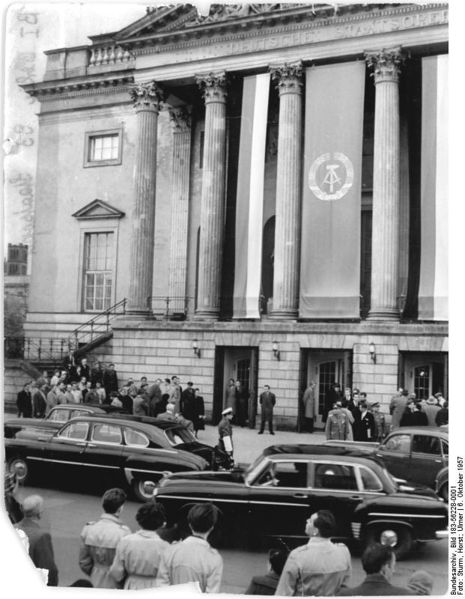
(180, 118)
(385, 64)
(288, 77)
(213, 86)
(147, 95)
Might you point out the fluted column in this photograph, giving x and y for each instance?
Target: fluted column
(147, 100)
(180, 118)
(213, 86)
(386, 185)
(288, 191)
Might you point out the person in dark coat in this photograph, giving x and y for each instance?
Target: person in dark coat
(267, 583)
(96, 374)
(24, 402)
(39, 403)
(365, 428)
(242, 404)
(154, 400)
(110, 379)
(413, 415)
(379, 562)
(267, 401)
(442, 417)
(187, 403)
(40, 541)
(85, 370)
(199, 414)
(332, 396)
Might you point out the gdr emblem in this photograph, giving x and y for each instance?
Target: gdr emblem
(331, 176)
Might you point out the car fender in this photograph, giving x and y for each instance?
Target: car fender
(390, 521)
(160, 462)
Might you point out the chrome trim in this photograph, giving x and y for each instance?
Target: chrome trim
(195, 498)
(279, 503)
(73, 463)
(397, 515)
(442, 534)
(129, 477)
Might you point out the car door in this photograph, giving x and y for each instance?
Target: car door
(335, 487)
(279, 498)
(64, 453)
(427, 458)
(396, 454)
(104, 450)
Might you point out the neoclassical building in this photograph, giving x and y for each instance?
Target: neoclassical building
(263, 189)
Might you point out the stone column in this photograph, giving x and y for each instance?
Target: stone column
(179, 198)
(213, 86)
(288, 191)
(147, 100)
(386, 185)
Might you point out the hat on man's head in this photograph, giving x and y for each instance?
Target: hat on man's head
(376, 404)
(437, 395)
(227, 411)
(421, 583)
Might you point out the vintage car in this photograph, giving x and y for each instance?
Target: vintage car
(168, 434)
(410, 453)
(273, 497)
(441, 484)
(115, 450)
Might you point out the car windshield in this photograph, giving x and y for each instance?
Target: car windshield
(178, 435)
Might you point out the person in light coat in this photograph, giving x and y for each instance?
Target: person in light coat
(100, 538)
(193, 559)
(138, 555)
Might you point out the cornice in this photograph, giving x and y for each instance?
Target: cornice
(218, 32)
(105, 85)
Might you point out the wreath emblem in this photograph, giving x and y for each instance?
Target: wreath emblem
(334, 180)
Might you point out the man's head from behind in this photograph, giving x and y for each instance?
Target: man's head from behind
(379, 559)
(113, 500)
(33, 506)
(202, 517)
(321, 524)
(277, 559)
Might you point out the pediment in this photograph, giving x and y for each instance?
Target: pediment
(98, 209)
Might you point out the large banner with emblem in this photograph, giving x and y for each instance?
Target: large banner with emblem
(330, 254)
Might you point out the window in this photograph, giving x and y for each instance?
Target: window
(107, 433)
(98, 271)
(422, 382)
(370, 481)
(400, 443)
(426, 444)
(135, 438)
(335, 476)
(285, 474)
(103, 148)
(59, 416)
(445, 448)
(76, 430)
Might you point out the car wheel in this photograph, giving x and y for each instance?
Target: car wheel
(398, 537)
(19, 467)
(140, 490)
(444, 492)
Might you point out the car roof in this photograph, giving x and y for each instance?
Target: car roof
(336, 459)
(425, 430)
(326, 451)
(158, 422)
(148, 428)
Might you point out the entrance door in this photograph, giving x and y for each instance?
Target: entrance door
(425, 374)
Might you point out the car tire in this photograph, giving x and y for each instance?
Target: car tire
(139, 492)
(20, 467)
(404, 538)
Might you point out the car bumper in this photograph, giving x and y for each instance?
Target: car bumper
(442, 534)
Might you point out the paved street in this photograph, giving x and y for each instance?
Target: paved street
(68, 510)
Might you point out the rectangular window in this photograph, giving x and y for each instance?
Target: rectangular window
(98, 271)
(103, 148)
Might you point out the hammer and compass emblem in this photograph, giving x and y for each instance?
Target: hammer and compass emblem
(331, 176)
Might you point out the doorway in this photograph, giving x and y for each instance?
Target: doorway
(238, 363)
(424, 373)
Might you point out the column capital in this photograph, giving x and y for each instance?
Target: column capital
(385, 63)
(288, 77)
(180, 118)
(147, 96)
(213, 86)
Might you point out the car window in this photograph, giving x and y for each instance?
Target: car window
(284, 474)
(445, 447)
(370, 481)
(400, 443)
(335, 476)
(426, 444)
(78, 412)
(59, 416)
(107, 433)
(135, 438)
(179, 435)
(75, 430)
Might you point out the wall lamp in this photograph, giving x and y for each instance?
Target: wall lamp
(275, 348)
(372, 350)
(196, 348)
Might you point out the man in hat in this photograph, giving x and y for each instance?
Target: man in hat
(431, 408)
(225, 432)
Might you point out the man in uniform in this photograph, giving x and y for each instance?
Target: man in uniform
(338, 424)
(267, 401)
(225, 432)
(100, 538)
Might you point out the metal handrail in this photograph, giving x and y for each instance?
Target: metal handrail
(35, 348)
(169, 305)
(97, 328)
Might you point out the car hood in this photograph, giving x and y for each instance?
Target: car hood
(412, 488)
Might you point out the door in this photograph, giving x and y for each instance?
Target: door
(396, 454)
(427, 458)
(424, 373)
(328, 372)
(104, 451)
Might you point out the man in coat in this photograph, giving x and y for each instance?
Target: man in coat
(365, 428)
(24, 402)
(379, 562)
(187, 405)
(397, 408)
(338, 424)
(308, 401)
(40, 541)
(100, 538)
(110, 380)
(225, 432)
(268, 402)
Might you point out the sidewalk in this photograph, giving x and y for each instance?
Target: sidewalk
(248, 444)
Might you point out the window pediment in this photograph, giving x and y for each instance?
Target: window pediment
(98, 209)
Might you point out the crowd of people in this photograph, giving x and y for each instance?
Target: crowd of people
(113, 557)
(77, 383)
(350, 416)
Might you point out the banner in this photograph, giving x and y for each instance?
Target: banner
(249, 200)
(433, 290)
(330, 254)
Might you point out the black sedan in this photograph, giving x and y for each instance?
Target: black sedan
(117, 450)
(274, 496)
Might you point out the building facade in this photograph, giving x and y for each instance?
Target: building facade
(266, 185)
